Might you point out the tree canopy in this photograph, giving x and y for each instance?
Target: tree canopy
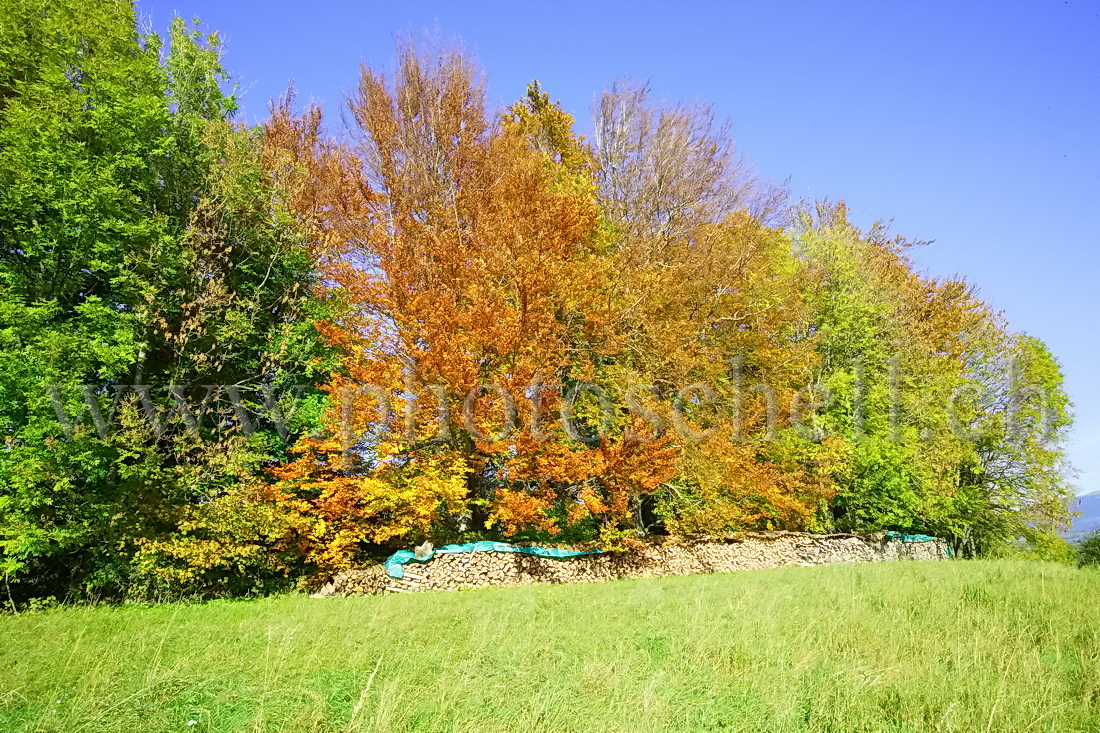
(232, 354)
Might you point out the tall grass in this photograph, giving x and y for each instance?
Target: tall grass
(906, 646)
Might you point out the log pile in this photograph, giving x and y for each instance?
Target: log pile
(658, 557)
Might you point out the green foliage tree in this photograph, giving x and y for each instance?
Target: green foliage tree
(892, 349)
(1020, 484)
(141, 243)
(1088, 552)
(958, 425)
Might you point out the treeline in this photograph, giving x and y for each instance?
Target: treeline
(233, 355)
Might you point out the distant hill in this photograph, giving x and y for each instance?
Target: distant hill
(1089, 506)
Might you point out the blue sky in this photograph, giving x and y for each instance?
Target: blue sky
(971, 124)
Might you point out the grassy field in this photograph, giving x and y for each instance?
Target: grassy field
(950, 646)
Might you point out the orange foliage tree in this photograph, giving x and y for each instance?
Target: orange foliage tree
(462, 257)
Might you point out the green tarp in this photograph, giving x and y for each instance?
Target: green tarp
(396, 560)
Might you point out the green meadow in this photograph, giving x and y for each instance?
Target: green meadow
(906, 646)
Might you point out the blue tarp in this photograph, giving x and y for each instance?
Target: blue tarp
(914, 538)
(909, 537)
(396, 560)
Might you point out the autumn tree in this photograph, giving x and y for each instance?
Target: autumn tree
(466, 258)
(663, 168)
(709, 306)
